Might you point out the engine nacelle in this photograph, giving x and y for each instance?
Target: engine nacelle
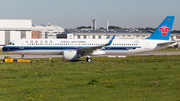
(70, 55)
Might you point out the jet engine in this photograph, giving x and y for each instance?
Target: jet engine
(70, 55)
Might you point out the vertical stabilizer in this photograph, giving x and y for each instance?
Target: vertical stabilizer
(164, 30)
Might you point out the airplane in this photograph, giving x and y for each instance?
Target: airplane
(72, 49)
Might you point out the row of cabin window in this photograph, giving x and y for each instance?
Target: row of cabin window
(61, 44)
(82, 44)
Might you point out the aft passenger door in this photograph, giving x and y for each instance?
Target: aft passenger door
(146, 45)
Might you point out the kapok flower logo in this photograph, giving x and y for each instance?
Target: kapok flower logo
(164, 30)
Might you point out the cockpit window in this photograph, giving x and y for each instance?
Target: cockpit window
(10, 43)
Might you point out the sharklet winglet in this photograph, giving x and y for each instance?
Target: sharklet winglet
(110, 41)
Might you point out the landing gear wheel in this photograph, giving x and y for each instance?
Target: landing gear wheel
(22, 56)
(88, 59)
(15, 60)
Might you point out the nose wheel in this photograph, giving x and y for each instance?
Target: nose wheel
(88, 59)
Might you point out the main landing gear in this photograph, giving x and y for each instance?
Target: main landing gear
(22, 56)
(88, 59)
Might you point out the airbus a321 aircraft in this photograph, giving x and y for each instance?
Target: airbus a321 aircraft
(72, 49)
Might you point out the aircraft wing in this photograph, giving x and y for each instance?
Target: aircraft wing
(91, 49)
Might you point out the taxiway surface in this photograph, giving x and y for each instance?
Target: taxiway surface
(50, 56)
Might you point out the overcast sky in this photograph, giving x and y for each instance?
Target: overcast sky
(74, 13)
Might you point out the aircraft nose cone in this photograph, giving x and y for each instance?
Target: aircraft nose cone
(1, 47)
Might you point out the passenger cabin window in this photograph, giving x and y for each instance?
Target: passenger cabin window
(10, 43)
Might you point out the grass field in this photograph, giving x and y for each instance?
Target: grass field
(3, 53)
(133, 78)
(168, 50)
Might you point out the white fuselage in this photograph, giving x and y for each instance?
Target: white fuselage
(57, 46)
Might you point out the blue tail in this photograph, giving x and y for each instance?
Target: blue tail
(164, 30)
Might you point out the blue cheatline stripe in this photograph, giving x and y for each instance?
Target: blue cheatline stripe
(66, 49)
(115, 50)
(34, 50)
(30, 48)
(8, 48)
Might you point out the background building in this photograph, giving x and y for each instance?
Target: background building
(36, 34)
(103, 34)
(46, 31)
(14, 29)
(91, 32)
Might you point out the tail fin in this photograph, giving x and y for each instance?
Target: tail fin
(164, 30)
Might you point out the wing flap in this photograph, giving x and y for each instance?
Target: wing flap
(91, 49)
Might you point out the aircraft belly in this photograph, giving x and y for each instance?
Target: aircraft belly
(45, 52)
(120, 52)
(41, 52)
